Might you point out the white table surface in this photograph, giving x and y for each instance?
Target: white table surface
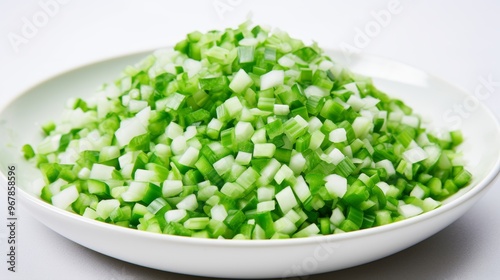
(457, 40)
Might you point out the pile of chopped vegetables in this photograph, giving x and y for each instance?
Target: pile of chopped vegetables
(244, 134)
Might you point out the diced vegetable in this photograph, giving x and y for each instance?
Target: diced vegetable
(245, 134)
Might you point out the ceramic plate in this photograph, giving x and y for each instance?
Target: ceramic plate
(433, 98)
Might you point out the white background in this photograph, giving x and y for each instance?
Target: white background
(456, 40)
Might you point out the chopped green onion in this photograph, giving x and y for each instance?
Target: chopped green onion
(244, 134)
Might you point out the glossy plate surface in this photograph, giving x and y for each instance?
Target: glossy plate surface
(431, 97)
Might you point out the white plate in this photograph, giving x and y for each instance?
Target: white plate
(428, 95)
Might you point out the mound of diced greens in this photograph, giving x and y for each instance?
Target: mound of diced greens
(244, 134)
